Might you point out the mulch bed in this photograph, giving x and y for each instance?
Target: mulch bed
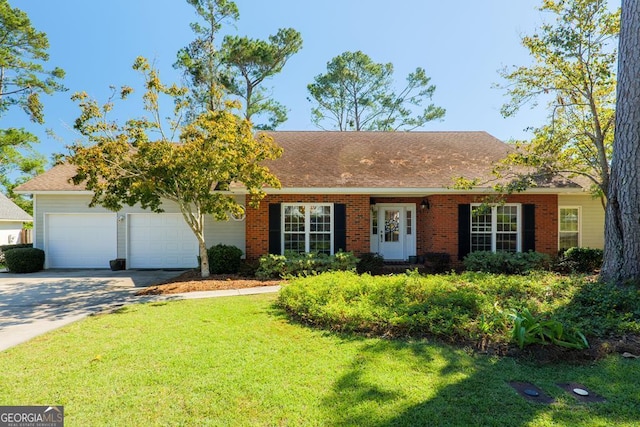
(191, 281)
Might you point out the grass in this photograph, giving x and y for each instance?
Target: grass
(239, 362)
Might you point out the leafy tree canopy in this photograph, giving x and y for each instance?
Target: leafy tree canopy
(573, 71)
(23, 78)
(146, 162)
(357, 94)
(239, 66)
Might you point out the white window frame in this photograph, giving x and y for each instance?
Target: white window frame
(494, 224)
(579, 209)
(307, 224)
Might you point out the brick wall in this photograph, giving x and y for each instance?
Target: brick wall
(358, 221)
(437, 226)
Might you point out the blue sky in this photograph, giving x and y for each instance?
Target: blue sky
(461, 44)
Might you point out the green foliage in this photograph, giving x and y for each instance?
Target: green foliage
(574, 72)
(437, 262)
(125, 166)
(470, 307)
(22, 81)
(5, 248)
(580, 260)
(237, 68)
(396, 305)
(224, 259)
(248, 62)
(529, 329)
(506, 262)
(357, 94)
(603, 309)
(293, 264)
(24, 260)
(371, 263)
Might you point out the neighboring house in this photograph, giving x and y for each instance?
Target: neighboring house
(389, 193)
(12, 219)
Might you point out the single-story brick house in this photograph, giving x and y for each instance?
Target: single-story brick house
(384, 192)
(12, 220)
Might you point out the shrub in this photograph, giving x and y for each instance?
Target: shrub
(580, 260)
(371, 263)
(506, 262)
(437, 262)
(293, 264)
(5, 248)
(25, 260)
(224, 259)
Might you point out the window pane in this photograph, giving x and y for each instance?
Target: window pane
(409, 222)
(568, 240)
(507, 242)
(569, 219)
(320, 243)
(294, 242)
(320, 218)
(507, 218)
(481, 220)
(481, 242)
(392, 226)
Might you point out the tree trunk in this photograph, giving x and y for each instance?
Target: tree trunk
(204, 258)
(622, 220)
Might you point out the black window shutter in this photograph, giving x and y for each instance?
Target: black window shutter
(275, 232)
(464, 230)
(528, 228)
(339, 227)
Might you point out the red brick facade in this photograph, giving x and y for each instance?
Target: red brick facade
(437, 226)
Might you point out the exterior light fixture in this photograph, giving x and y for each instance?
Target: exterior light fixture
(425, 204)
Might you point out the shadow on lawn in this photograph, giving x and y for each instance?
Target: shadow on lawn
(462, 390)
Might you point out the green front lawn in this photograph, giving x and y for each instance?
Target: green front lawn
(239, 362)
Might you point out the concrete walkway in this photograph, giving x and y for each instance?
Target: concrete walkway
(36, 303)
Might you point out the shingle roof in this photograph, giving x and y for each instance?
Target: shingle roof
(55, 179)
(384, 159)
(322, 159)
(9, 211)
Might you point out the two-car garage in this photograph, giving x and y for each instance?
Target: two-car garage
(91, 240)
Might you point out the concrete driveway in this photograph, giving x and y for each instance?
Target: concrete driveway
(32, 304)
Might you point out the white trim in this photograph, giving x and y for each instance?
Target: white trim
(579, 208)
(55, 192)
(390, 191)
(378, 191)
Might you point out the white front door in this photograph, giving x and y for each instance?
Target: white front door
(391, 232)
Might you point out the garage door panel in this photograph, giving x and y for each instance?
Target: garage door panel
(160, 241)
(80, 240)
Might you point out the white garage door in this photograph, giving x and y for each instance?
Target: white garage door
(161, 241)
(80, 240)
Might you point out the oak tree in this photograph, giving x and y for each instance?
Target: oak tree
(358, 94)
(622, 219)
(146, 161)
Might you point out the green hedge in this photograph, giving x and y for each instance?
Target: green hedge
(293, 264)
(580, 260)
(506, 262)
(24, 260)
